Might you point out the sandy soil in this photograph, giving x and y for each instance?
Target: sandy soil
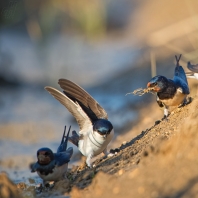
(161, 161)
(7, 187)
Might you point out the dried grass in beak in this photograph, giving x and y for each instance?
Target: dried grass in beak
(141, 91)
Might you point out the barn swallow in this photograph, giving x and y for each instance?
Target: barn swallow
(95, 130)
(193, 71)
(53, 166)
(170, 92)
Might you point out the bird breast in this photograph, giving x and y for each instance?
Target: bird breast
(57, 174)
(94, 143)
(178, 99)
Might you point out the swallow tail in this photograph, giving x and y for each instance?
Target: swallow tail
(63, 145)
(179, 71)
(180, 77)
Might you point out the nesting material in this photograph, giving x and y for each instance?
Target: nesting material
(141, 91)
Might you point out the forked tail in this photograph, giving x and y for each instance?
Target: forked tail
(179, 71)
(64, 141)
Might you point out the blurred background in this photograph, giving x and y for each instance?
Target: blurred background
(108, 47)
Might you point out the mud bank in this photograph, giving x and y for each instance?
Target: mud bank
(159, 162)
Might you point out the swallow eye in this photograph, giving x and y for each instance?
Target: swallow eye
(47, 153)
(154, 83)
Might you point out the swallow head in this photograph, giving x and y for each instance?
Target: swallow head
(45, 156)
(157, 83)
(103, 127)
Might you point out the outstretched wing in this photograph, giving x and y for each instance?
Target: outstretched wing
(193, 68)
(73, 107)
(85, 100)
(63, 157)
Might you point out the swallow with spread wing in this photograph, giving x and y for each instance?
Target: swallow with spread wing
(95, 130)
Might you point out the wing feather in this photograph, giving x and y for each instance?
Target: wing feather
(85, 100)
(73, 107)
(193, 68)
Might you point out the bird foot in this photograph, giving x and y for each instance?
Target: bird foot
(90, 166)
(165, 118)
(157, 122)
(187, 101)
(49, 185)
(46, 187)
(39, 188)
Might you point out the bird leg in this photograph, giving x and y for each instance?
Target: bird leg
(166, 113)
(105, 151)
(39, 188)
(44, 187)
(187, 101)
(88, 160)
(49, 185)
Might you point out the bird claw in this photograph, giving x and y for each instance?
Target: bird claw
(165, 118)
(94, 165)
(39, 188)
(46, 187)
(187, 101)
(49, 185)
(88, 167)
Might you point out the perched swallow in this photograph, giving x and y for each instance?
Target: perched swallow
(193, 71)
(170, 92)
(95, 130)
(53, 166)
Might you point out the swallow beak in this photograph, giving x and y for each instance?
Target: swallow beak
(43, 160)
(153, 87)
(105, 135)
(148, 85)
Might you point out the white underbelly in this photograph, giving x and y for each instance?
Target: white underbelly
(87, 146)
(58, 173)
(176, 100)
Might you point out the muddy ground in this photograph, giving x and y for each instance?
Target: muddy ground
(161, 161)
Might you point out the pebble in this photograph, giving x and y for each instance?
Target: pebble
(32, 181)
(120, 172)
(124, 143)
